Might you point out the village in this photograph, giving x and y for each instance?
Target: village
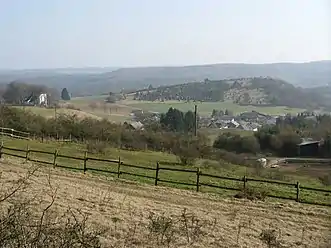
(249, 121)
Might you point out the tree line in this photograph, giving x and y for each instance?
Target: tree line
(167, 137)
(272, 92)
(20, 93)
(283, 138)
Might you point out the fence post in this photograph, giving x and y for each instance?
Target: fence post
(1, 146)
(245, 180)
(85, 161)
(55, 155)
(298, 192)
(198, 179)
(157, 173)
(27, 153)
(119, 167)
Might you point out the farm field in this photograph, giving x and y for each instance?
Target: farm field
(111, 112)
(95, 107)
(49, 113)
(135, 214)
(206, 108)
(213, 133)
(149, 159)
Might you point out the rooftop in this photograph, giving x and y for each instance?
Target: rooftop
(308, 142)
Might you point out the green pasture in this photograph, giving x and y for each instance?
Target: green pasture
(149, 159)
(206, 108)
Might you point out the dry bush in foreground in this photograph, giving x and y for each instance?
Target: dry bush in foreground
(23, 226)
(252, 194)
(271, 238)
(186, 228)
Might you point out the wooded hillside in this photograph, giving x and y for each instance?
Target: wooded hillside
(244, 91)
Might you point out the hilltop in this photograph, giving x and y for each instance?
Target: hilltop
(96, 81)
(262, 91)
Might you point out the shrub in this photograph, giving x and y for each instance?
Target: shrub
(186, 157)
(236, 143)
(187, 149)
(326, 179)
(270, 238)
(71, 106)
(22, 225)
(252, 194)
(96, 147)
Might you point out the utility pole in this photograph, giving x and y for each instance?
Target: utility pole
(55, 119)
(2, 107)
(195, 120)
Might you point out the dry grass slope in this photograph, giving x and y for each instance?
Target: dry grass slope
(136, 215)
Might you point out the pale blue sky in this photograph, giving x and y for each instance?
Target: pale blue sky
(79, 33)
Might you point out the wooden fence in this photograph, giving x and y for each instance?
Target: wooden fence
(10, 132)
(14, 133)
(156, 178)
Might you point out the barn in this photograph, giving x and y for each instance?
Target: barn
(308, 148)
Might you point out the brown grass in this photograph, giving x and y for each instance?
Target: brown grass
(128, 210)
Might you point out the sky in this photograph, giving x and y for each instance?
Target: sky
(124, 33)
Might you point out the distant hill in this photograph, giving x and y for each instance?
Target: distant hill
(310, 74)
(244, 91)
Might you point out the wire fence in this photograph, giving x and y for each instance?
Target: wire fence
(195, 178)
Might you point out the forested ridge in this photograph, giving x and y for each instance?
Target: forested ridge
(264, 91)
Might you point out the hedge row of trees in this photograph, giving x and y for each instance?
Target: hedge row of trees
(93, 130)
(177, 121)
(17, 93)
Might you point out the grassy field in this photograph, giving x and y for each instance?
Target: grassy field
(120, 112)
(149, 159)
(213, 133)
(49, 113)
(206, 108)
(82, 109)
(144, 216)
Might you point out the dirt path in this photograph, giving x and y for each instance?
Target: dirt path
(228, 222)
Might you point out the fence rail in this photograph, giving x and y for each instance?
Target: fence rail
(14, 133)
(199, 175)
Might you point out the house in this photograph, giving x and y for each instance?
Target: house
(311, 118)
(253, 116)
(227, 118)
(271, 121)
(135, 125)
(136, 112)
(223, 123)
(308, 148)
(234, 124)
(207, 122)
(249, 126)
(41, 99)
